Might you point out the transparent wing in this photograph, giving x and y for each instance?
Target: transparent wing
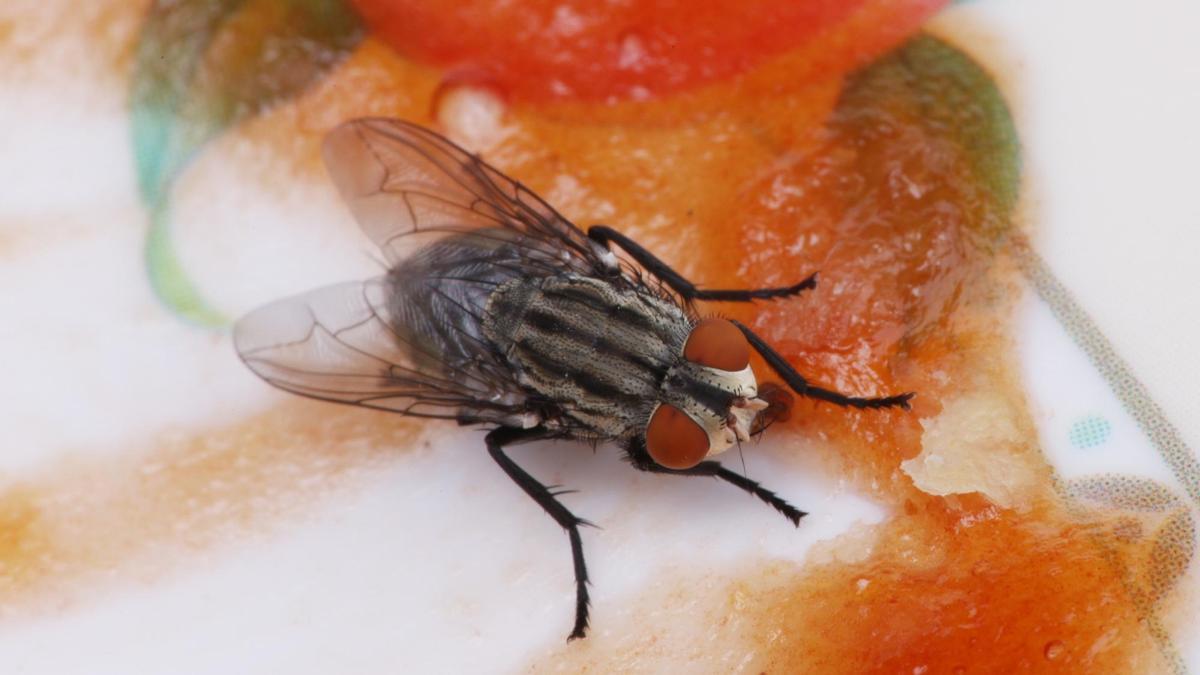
(406, 184)
(339, 343)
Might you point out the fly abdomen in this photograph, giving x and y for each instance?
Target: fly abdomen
(599, 353)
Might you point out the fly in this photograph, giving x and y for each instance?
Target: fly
(497, 311)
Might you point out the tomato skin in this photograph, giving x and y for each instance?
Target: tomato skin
(623, 49)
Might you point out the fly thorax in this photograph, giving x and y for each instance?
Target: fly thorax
(597, 353)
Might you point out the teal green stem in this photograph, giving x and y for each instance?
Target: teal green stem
(168, 279)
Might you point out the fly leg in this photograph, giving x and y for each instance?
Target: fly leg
(642, 462)
(496, 440)
(686, 289)
(801, 386)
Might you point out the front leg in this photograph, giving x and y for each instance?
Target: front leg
(640, 459)
(496, 440)
(801, 386)
(686, 289)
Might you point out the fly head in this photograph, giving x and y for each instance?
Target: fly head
(709, 400)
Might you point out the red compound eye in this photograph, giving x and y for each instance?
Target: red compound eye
(717, 343)
(674, 440)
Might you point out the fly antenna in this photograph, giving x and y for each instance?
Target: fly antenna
(742, 455)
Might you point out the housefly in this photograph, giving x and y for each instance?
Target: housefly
(497, 311)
